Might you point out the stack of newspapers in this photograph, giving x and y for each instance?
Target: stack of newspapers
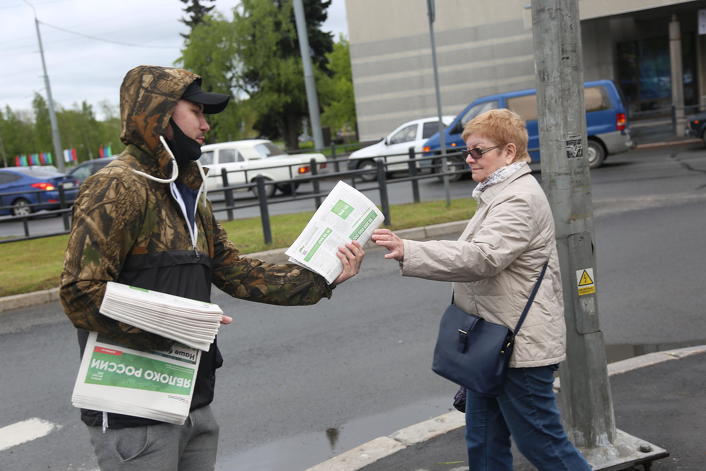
(193, 323)
(152, 384)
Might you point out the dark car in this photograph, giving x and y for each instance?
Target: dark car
(24, 190)
(88, 168)
(696, 126)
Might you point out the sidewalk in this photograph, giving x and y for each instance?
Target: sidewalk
(658, 397)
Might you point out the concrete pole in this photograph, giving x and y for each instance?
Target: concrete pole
(311, 96)
(585, 398)
(677, 75)
(55, 137)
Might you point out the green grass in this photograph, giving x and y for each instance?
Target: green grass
(36, 264)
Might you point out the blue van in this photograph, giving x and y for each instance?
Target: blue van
(606, 121)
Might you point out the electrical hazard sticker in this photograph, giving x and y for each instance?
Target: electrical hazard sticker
(585, 282)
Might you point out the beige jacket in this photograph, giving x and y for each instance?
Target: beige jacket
(495, 263)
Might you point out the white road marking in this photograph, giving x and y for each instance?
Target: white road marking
(25, 431)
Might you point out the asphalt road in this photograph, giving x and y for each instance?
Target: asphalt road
(302, 384)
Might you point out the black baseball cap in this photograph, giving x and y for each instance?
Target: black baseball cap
(212, 102)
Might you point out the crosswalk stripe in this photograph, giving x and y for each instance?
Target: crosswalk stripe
(25, 431)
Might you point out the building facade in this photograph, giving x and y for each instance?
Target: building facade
(485, 47)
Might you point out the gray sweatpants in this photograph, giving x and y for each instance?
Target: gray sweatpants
(162, 447)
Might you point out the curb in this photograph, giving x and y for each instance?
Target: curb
(679, 142)
(381, 447)
(36, 298)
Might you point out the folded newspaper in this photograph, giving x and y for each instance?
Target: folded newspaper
(155, 385)
(188, 321)
(345, 215)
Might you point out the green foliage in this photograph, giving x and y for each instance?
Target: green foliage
(198, 13)
(256, 57)
(339, 113)
(24, 133)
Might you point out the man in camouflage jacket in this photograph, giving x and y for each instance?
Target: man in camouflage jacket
(142, 221)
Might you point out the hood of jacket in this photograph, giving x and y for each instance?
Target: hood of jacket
(148, 96)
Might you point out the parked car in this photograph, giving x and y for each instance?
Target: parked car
(696, 126)
(24, 190)
(87, 168)
(245, 160)
(606, 121)
(395, 147)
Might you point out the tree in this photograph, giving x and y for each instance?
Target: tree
(198, 12)
(42, 124)
(339, 113)
(269, 68)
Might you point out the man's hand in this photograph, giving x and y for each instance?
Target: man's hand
(351, 256)
(386, 238)
(226, 319)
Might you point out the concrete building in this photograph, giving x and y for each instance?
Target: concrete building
(485, 47)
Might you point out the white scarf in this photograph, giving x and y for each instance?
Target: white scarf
(500, 175)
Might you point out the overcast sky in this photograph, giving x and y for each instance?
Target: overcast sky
(81, 68)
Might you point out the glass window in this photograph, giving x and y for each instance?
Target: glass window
(207, 158)
(227, 156)
(596, 99)
(7, 177)
(268, 149)
(406, 134)
(430, 129)
(478, 109)
(81, 172)
(525, 106)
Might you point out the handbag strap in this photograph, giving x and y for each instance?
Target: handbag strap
(529, 300)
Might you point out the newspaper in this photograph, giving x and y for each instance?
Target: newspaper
(155, 385)
(345, 215)
(191, 322)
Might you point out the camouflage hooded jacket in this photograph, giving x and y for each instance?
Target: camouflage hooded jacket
(129, 228)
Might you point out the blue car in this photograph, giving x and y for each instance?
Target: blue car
(24, 190)
(606, 121)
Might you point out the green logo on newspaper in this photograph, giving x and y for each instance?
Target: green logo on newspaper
(116, 368)
(364, 224)
(342, 209)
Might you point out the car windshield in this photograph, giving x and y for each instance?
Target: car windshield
(207, 158)
(268, 149)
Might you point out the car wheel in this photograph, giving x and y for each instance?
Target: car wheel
(270, 190)
(287, 188)
(21, 207)
(595, 154)
(370, 168)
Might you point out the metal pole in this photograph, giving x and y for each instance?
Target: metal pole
(431, 14)
(587, 406)
(56, 138)
(311, 97)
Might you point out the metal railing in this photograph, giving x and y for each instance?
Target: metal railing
(418, 168)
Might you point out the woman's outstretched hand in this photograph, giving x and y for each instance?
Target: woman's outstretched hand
(394, 245)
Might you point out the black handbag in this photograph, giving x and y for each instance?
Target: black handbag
(473, 352)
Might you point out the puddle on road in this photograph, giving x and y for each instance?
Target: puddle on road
(307, 449)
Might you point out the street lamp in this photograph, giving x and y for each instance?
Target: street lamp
(56, 139)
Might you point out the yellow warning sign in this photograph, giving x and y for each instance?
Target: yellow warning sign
(585, 283)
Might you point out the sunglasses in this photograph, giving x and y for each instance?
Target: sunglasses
(477, 152)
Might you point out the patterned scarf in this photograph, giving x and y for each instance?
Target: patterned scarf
(500, 175)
